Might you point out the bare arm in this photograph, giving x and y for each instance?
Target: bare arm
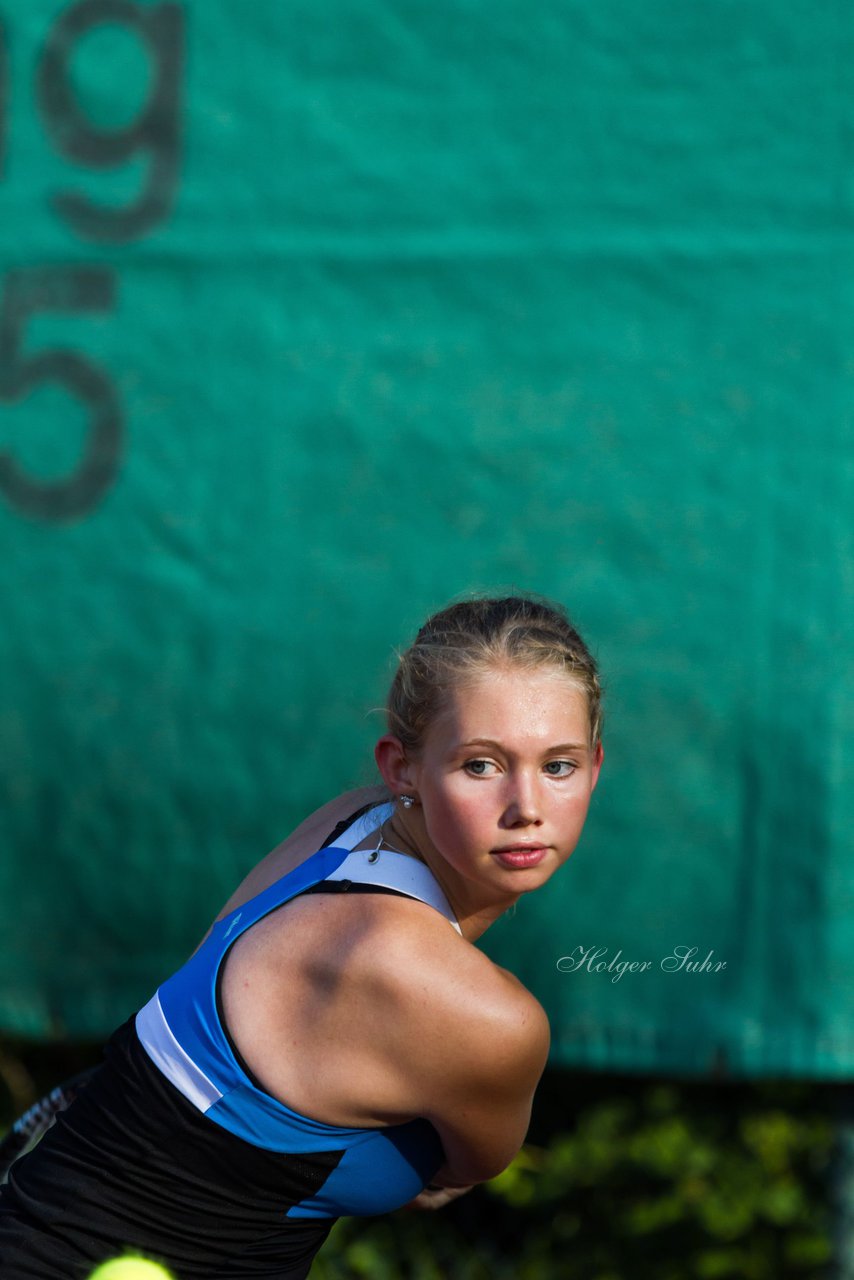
(306, 838)
(482, 1112)
(478, 1048)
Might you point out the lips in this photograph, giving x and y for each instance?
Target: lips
(521, 855)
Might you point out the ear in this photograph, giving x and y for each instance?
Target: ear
(393, 764)
(598, 757)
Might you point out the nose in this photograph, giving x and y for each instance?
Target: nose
(522, 806)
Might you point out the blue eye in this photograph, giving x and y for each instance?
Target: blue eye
(478, 767)
(560, 768)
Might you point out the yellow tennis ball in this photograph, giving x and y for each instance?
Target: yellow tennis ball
(130, 1268)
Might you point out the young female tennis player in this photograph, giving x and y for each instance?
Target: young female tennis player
(337, 1044)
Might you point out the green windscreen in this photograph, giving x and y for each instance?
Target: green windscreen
(314, 317)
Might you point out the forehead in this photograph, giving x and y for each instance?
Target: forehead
(515, 707)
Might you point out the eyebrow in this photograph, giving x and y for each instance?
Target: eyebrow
(489, 742)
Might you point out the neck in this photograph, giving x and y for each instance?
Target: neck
(395, 837)
(474, 917)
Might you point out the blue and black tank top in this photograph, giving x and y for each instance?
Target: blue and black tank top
(176, 1151)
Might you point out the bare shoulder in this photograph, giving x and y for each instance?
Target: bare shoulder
(469, 1043)
(461, 1015)
(324, 819)
(303, 841)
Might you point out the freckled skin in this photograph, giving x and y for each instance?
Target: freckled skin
(326, 969)
(532, 784)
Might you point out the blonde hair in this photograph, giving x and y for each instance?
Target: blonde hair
(460, 643)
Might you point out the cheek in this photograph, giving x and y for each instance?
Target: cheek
(456, 815)
(576, 806)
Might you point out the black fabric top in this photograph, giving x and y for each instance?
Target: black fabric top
(132, 1163)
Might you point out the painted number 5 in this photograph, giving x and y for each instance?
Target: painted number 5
(73, 289)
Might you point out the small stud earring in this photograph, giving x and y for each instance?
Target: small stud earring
(407, 801)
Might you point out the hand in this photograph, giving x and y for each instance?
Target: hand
(436, 1197)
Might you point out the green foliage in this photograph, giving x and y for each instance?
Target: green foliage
(662, 1183)
(622, 1179)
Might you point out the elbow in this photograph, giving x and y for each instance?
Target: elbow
(466, 1169)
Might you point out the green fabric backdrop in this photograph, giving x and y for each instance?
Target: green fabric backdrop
(314, 317)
